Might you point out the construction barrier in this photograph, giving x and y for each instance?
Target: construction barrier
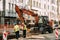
(4, 35)
(56, 33)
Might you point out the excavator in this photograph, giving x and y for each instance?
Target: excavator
(41, 23)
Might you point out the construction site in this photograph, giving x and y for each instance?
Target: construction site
(40, 18)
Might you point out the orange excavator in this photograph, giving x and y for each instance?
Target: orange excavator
(20, 13)
(41, 22)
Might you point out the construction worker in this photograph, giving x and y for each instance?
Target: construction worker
(16, 30)
(51, 23)
(24, 30)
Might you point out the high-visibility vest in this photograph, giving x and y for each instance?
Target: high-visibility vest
(16, 28)
(25, 27)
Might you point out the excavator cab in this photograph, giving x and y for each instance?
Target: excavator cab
(43, 25)
(43, 19)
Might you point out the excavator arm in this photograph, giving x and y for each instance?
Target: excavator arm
(20, 13)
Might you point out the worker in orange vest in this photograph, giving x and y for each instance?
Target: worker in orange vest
(51, 23)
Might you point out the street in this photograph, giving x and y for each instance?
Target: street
(37, 18)
(46, 36)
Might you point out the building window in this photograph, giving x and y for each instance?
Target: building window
(51, 14)
(34, 3)
(45, 13)
(48, 6)
(39, 5)
(44, 6)
(40, 13)
(48, 0)
(21, 1)
(53, 1)
(53, 8)
(44, 0)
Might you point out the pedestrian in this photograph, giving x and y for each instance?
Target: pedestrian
(16, 30)
(24, 30)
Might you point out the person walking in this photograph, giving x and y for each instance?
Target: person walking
(24, 30)
(16, 30)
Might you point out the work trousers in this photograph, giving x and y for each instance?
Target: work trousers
(24, 33)
(17, 34)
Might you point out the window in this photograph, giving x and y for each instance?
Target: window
(45, 13)
(40, 20)
(53, 1)
(53, 8)
(52, 15)
(21, 1)
(48, 6)
(48, 0)
(45, 0)
(34, 3)
(39, 5)
(44, 6)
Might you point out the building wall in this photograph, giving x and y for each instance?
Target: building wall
(9, 15)
(59, 10)
(59, 7)
(10, 8)
(41, 7)
(45, 7)
(9, 12)
(1, 5)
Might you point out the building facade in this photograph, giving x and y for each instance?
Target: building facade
(59, 10)
(45, 7)
(8, 14)
(41, 7)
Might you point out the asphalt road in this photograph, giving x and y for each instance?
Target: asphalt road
(46, 36)
(51, 36)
